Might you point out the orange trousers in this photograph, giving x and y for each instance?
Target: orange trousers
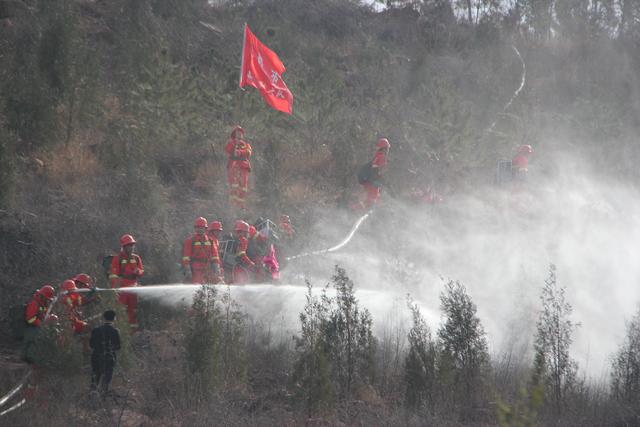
(130, 300)
(238, 185)
(373, 194)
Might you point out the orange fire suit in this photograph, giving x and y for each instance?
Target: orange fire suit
(36, 310)
(216, 263)
(238, 170)
(72, 301)
(125, 272)
(520, 166)
(372, 187)
(244, 263)
(519, 172)
(198, 255)
(287, 229)
(256, 250)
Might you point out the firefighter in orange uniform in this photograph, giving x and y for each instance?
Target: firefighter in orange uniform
(520, 163)
(38, 306)
(287, 227)
(371, 180)
(215, 232)
(197, 254)
(83, 281)
(34, 315)
(72, 300)
(238, 167)
(126, 269)
(243, 265)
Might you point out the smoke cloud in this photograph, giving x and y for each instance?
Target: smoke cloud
(498, 244)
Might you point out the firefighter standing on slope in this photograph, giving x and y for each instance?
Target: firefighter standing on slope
(126, 269)
(286, 227)
(34, 315)
(215, 232)
(520, 167)
(198, 254)
(238, 167)
(371, 180)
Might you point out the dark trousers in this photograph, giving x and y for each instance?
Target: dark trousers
(102, 369)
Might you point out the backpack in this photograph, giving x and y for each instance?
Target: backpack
(106, 265)
(365, 172)
(228, 249)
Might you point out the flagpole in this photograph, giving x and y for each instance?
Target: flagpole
(244, 42)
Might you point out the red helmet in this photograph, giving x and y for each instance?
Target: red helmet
(201, 222)
(84, 278)
(383, 143)
(525, 149)
(127, 239)
(47, 292)
(215, 226)
(235, 131)
(242, 226)
(68, 285)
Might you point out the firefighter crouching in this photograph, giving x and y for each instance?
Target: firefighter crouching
(198, 255)
(72, 300)
(34, 315)
(126, 269)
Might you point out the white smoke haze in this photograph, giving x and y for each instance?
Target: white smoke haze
(499, 246)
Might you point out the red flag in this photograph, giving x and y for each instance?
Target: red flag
(262, 69)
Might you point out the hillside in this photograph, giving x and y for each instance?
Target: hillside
(114, 116)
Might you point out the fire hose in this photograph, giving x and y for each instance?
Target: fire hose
(339, 245)
(6, 398)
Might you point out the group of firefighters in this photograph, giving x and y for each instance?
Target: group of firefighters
(209, 257)
(239, 154)
(249, 253)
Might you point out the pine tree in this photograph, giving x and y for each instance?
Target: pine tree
(553, 366)
(625, 372)
(311, 376)
(349, 339)
(464, 359)
(420, 362)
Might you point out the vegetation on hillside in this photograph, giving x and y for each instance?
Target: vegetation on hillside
(113, 118)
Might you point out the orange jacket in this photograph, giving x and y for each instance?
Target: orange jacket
(520, 163)
(215, 249)
(288, 229)
(35, 311)
(242, 251)
(72, 301)
(125, 271)
(379, 160)
(239, 153)
(198, 252)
